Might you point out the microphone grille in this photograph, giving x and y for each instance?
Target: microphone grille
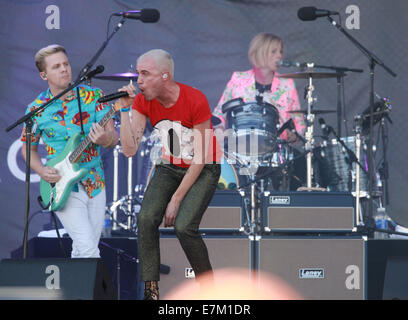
(307, 13)
(149, 15)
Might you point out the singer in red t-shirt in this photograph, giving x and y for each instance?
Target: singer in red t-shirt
(187, 174)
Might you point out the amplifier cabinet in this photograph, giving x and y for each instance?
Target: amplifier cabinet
(224, 252)
(319, 268)
(307, 212)
(225, 213)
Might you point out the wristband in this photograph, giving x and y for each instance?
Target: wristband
(109, 144)
(125, 109)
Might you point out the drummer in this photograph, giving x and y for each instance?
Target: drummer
(261, 84)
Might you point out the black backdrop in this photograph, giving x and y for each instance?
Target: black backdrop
(208, 40)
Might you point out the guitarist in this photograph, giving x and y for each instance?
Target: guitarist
(83, 214)
(185, 181)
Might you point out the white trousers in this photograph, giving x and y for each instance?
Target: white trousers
(83, 219)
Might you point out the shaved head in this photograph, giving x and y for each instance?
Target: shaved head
(162, 59)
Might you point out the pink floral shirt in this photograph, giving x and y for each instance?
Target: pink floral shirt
(283, 96)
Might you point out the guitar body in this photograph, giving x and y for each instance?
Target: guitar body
(58, 193)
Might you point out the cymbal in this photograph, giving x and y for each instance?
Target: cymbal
(313, 111)
(312, 73)
(125, 76)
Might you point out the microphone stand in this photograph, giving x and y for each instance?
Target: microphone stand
(373, 61)
(99, 52)
(119, 253)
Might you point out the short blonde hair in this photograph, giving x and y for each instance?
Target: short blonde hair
(45, 52)
(261, 47)
(163, 60)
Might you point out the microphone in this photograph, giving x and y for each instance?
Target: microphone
(311, 13)
(287, 63)
(90, 74)
(145, 15)
(325, 129)
(113, 96)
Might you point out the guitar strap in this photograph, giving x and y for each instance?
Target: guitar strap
(80, 112)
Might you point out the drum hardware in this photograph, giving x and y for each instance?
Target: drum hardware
(215, 120)
(129, 199)
(251, 192)
(122, 204)
(130, 194)
(311, 73)
(309, 133)
(358, 214)
(113, 211)
(232, 104)
(314, 111)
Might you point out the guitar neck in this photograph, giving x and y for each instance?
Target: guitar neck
(87, 141)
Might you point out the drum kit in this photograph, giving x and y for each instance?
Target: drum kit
(254, 149)
(257, 160)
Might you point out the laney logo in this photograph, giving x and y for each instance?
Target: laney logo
(279, 200)
(311, 273)
(189, 273)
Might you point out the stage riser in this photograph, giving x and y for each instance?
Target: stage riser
(353, 268)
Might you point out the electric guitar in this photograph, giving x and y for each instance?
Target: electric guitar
(55, 195)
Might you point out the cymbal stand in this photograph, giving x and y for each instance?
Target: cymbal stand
(116, 151)
(358, 215)
(309, 133)
(130, 190)
(130, 194)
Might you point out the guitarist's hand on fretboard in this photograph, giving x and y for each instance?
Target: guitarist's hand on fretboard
(99, 135)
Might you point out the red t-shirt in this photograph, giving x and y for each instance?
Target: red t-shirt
(174, 125)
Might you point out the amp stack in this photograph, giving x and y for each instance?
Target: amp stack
(308, 239)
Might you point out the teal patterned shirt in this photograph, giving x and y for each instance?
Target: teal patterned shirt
(61, 120)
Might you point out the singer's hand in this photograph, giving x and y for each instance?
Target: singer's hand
(126, 102)
(171, 213)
